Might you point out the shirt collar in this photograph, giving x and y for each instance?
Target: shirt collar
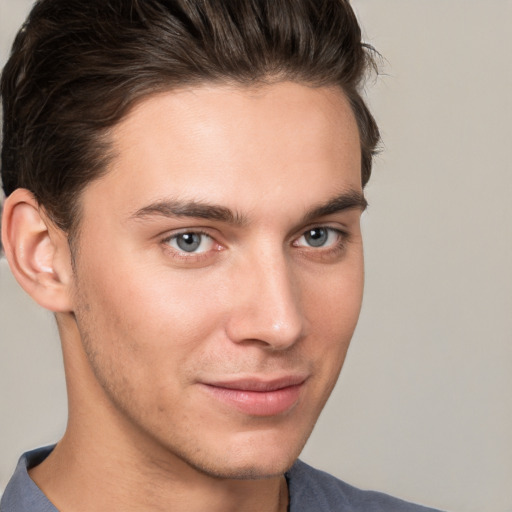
(21, 493)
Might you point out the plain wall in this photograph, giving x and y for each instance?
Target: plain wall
(423, 408)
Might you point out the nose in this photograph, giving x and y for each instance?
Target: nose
(268, 307)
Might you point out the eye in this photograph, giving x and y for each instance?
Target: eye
(191, 242)
(319, 237)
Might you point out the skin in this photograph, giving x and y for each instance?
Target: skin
(149, 331)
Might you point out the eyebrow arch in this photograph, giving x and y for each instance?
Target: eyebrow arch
(352, 199)
(192, 209)
(200, 210)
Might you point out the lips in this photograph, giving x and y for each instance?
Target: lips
(258, 397)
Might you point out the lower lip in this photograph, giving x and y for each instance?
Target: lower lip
(258, 403)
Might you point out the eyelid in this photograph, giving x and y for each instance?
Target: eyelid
(190, 256)
(174, 242)
(343, 233)
(324, 254)
(168, 235)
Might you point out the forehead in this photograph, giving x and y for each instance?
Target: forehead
(222, 143)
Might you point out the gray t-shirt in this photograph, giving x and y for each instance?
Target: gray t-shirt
(310, 491)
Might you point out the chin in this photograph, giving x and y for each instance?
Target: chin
(251, 470)
(252, 458)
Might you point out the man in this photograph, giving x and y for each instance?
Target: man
(184, 184)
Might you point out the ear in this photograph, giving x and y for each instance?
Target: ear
(37, 252)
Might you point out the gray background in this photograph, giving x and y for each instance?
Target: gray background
(424, 405)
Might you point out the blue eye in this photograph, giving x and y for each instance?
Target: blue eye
(191, 242)
(319, 237)
(316, 237)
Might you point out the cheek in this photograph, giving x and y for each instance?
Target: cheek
(334, 298)
(149, 318)
(332, 309)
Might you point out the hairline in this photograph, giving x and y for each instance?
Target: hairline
(105, 135)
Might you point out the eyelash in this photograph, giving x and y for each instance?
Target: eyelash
(336, 248)
(183, 255)
(330, 253)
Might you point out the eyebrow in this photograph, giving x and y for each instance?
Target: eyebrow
(173, 208)
(191, 209)
(353, 199)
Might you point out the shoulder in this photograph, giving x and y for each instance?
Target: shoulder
(314, 490)
(21, 493)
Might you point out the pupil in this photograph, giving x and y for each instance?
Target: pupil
(189, 242)
(316, 237)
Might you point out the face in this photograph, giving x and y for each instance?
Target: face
(219, 271)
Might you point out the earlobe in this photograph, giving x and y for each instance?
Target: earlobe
(37, 252)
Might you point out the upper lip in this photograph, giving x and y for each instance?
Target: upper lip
(259, 383)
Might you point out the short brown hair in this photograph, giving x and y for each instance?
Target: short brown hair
(77, 66)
